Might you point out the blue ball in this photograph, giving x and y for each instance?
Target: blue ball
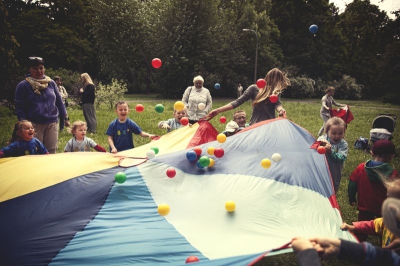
(191, 156)
(199, 165)
(217, 86)
(313, 28)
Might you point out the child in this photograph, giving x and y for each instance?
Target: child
(336, 148)
(327, 102)
(80, 142)
(365, 182)
(120, 130)
(377, 226)
(22, 141)
(173, 123)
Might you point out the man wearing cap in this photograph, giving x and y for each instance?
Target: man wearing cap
(366, 182)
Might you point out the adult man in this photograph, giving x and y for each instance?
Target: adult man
(239, 90)
(240, 118)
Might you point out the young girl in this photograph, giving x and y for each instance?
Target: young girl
(336, 148)
(22, 141)
(80, 142)
(263, 107)
(173, 123)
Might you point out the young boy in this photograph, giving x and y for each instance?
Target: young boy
(377, 226)
(173, 123)
(121, 129)
(366, 182)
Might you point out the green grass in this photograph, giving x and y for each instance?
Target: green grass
(304, 113)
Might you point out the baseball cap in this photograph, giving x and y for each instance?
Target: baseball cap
(383, 146)
(232, 126)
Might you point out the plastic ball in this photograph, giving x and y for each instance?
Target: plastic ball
(204, 161)
(273, 98)
(201, 106)
(120, 177)
(163, 209)
(221, 138)
(199, 165)
(155, 149)
(217, 86)
(321, 150)
(222, 119)
(159, 108)
(276, 157)
(219, 152)
(313, 28)
(191, 156)
(150, 154)
(139, 108)
(191, 259)
(266, 163)
(261, 83)
(179, 106)
(171, 172)
(156, 62)
(212, 162)
(247, 125)
(184, 121)
(210, 150)
(230, 206)
(197, 150)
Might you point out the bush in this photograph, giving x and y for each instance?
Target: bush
(110, 94)
(393, 98)
(302, 87)
(347, 88)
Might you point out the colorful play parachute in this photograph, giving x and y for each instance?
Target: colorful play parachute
(67, 209)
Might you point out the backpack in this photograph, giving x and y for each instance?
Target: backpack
(361, 143)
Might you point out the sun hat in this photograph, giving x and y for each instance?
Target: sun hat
(391, 215)
(382, 147)
(232, 126)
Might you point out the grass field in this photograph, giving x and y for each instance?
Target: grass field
(304, 113)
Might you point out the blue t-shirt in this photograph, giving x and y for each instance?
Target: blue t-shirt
(122, 134)
(23, 147)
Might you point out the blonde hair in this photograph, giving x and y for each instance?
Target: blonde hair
(390, 181)
(334, 121)
(330, 88)
(276, 82)
(75, 125)
(198, 78)
(86, 79)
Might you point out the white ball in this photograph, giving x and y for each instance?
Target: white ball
(201, 106)
(150, 154)
(276, 157)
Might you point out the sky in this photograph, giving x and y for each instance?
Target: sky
(387, 5)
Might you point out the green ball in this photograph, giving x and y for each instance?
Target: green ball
(204, 161)
(120, 177)
(155, 149)
(159, 108)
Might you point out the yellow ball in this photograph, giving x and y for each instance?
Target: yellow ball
(179, 106)
(212, 162)
(210, 150)
(266, 163)
(221, 138)
(163, 209)
(230, 206)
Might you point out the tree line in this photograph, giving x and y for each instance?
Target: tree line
(357, 51)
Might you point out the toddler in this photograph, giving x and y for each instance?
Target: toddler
(23, 142)
(80, 142)
(336, 148)
(173, 123)
(121, 129)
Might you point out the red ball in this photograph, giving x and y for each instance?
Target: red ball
(321, 150)
(184, 121)
(139, 108)
(191, 259)
(156, 63)
(197, 150)
(222, 119)
(219, 152)
(273, 98)
(261, 83)
(171, 172)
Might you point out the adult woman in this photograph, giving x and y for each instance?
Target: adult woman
(197, 99)
(88, 96)
(327, 102)
(263, 108)
(37, 99)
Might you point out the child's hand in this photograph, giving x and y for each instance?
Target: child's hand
(165, 125)
(114, 150)
(328, 147)
(300, 244)
(346, 227)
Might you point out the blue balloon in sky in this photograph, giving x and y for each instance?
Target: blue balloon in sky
(217, 86)
(313, 28)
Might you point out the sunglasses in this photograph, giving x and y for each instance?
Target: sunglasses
(35, 58)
